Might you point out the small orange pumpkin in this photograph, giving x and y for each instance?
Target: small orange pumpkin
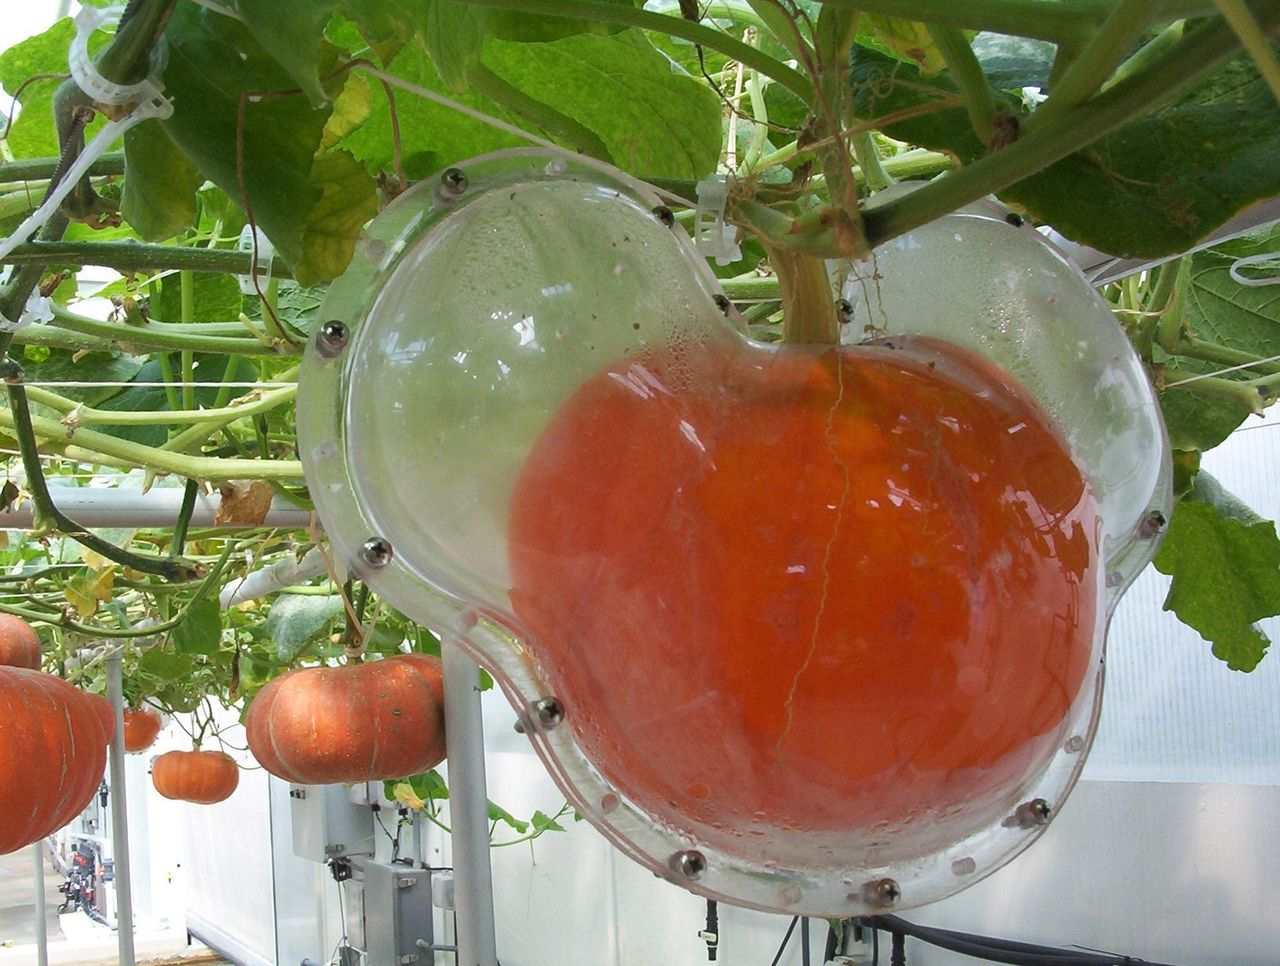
(53, 750)
(359, 722)
(202, 777)
(141, 726)
(19, 646)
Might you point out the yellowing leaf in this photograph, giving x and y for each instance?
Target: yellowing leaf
(907, 38)
(86, 591)
(404, 794)
(244, 503)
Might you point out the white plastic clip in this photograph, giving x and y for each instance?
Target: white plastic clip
(714, 238)
(249, 238)
(38, 309)
(86, 75)
(148, 100)
(1269, 259)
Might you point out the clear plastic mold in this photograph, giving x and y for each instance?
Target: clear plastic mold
(808, 630)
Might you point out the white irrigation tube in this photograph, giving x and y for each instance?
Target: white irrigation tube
(268, 580)
(120, 817)
(468, 809)
(42, 925)
(94, 506)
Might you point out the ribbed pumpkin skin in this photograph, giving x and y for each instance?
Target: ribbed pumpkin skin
(141, 726)
(53, 750)
(202, 777)
(19, 646)
(360, 722)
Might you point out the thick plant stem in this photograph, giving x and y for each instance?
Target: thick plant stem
(1096, 62)
(808, 305)
(138, 257)
(1254, 41)
(979, 100)
(49, 518)
(155, 336)
(183, 523)
(42, 169)
(1200, 52)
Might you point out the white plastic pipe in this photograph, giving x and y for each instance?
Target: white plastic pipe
(468, 809)
(120, 817)
(268, 580)
(95, 506)
(42, 926)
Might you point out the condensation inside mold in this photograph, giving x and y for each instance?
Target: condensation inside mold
(479, 335)
(729, 681)
(986, 285)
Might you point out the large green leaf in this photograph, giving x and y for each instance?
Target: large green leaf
(61, 365)
(1222, 311)
(1155, 187)
(200, 631)
(160, 184)
(153, 398)
(1225, 564)
(214, 298)
(33, 134)
(294, 33)
(297, 620)
(311, 206)
(652, 121)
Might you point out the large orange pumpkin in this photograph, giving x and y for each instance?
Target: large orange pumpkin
(19, 646)
(360, 722)
(203, 777)
(53, 750)
(141, 726)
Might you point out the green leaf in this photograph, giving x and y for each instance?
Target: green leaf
(209, 368)
(297, 620)
(166, 665)
(214, 298)
(311, 205)
(293, 32)
(1155, 187)
(1012, 63)
(33, 134)
(160, 184)
(543, 822)
(654, 122)
(1225, 564)
(385, 25)
(62, 365)
(454, 34)
(1222, 311)
(201, 631)
(499, 814)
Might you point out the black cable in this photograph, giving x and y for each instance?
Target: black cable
(898, 949)
(804, 941)
(785, 939)
(1003, 950)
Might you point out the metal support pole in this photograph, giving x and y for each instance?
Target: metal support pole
(468, 809)
(42, 926)
(120, 817)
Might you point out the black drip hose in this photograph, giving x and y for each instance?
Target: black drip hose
(998, 950)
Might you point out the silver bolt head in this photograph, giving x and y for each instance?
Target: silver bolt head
(881, 893)
(690, 863)
(550, 711)
(376, 552)
(332, 338)
(454, 181)
(1152, 525)
(664, 215)
(1031, 814)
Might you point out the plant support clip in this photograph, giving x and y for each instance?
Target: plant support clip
(712, 236)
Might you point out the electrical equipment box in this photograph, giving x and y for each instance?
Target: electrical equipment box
(328, 824)
(398, 923)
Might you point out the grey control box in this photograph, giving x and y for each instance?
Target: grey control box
(398, 920)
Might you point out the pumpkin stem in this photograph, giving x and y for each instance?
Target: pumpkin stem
(808, 304)
(353, 637)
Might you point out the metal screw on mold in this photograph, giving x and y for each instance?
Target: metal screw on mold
(550, 711)
(722, 303)
(1014, 219)
(453, 181)
(844, 311)
(1152, 525)
(1030, 814)
(690, 863)
(881, 893)
(1114, 578)
(376, 552)
(664, 215)
(332, 338)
